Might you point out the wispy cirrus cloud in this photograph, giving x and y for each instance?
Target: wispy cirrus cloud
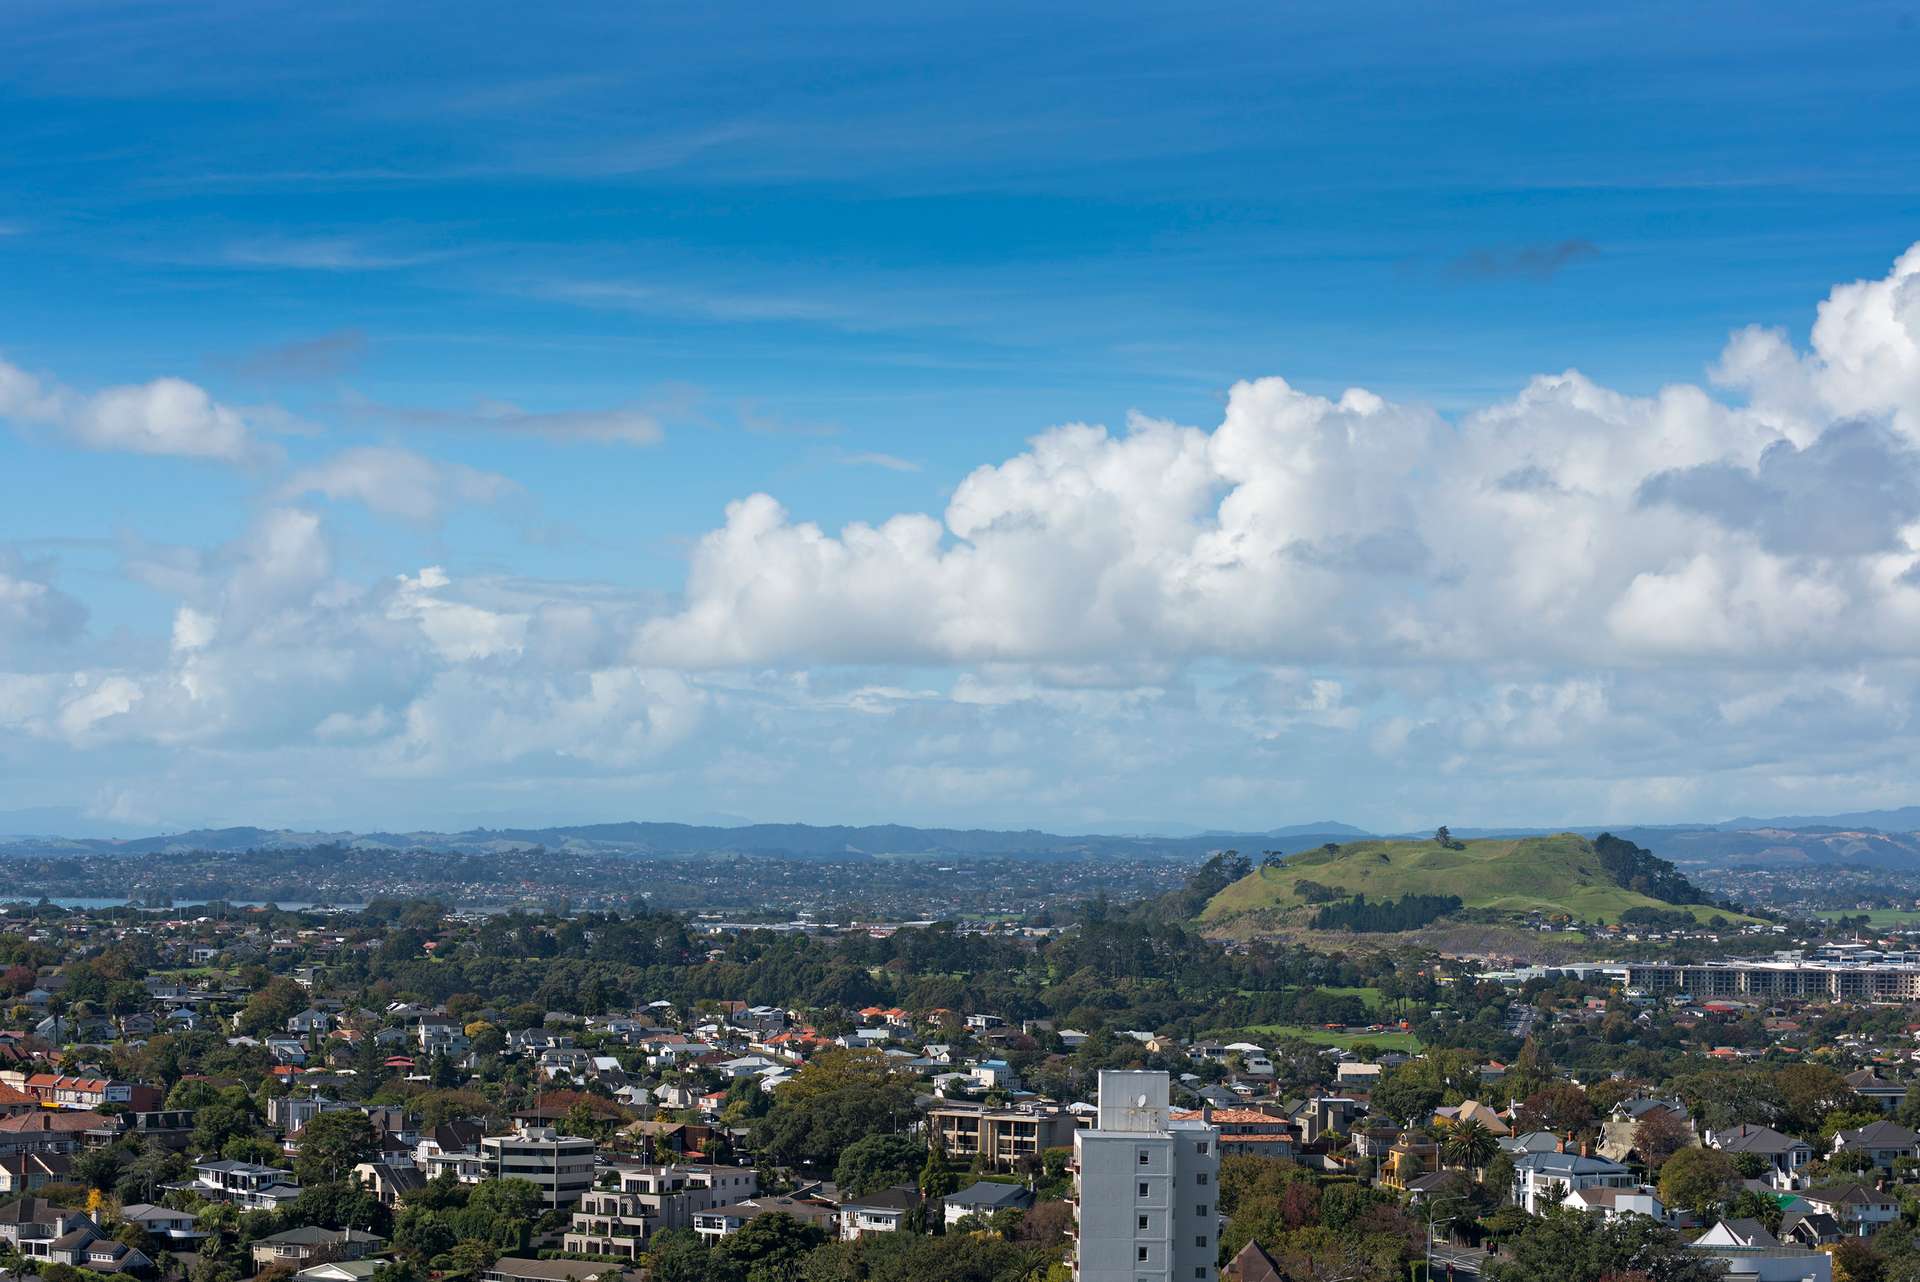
(662, 299)
(613, 425)
(1521, 262)
(344, 253)
(324, 356)
(874, 458)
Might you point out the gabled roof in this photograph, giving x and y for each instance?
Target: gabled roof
(902, 1197)
(49, 1122)
(1749, 1138)
(1881, 1134)
(1568, 1164)
(1850, 1194)
(1739, 1232)
(991, 1194)
(31, 1210)
(1253, 1264)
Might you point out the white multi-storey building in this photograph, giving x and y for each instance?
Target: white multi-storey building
(1146, 1188)
(561, 1165)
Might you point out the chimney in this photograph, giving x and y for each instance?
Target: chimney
(1586, 1150)
(1559, 1144)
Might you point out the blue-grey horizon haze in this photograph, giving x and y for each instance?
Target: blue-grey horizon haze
(1079, 418)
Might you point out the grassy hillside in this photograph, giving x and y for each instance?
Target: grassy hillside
(1558, 874)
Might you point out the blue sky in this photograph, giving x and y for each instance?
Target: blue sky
(532, 296)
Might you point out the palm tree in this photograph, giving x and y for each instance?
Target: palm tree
(1469, 1144)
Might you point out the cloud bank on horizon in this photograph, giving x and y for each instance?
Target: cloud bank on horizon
(1570, 603)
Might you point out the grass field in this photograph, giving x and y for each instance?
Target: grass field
(1371, 996)
(1515, 875)
(1391, 1041)
(1878, 916)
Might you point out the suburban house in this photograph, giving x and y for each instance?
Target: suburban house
(164, 1222)
(1869, 1085)
(1786, 1155)
(1612, 1203)
(28, 1172)
(1540, 1179)
(1473, 1111)
(245, 1184)
(48, 1234)
(1858, 1210)
(882, 1212)
(723, 1220)
(309, 1245)
(1885, 1142)
(48, 1130)
(983, 1198)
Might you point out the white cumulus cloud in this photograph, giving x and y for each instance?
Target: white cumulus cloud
(165, 416)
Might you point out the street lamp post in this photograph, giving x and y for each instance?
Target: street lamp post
(1433, 1208)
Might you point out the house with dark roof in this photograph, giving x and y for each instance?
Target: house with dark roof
(721, 1221)
(1858, 1210)
(1812, 1229)
(1869, 1085)
(310, 1244)
(985, 1197)
(882, 1212)
(27, 1172)
(1540, 1179)
(49, 1234)
(1883, 1141)
(1786, 1155)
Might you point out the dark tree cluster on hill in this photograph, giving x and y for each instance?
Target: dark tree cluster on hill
(1638, 868)
(1409, 912)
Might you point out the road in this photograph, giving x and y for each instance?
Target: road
(1465, 1262)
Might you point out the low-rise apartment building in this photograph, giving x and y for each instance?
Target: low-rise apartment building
(1004, 1135)
(561, 1166)
(631, 1203)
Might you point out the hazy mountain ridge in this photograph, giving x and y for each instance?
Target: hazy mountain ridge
(1841, 839)
(669, 839)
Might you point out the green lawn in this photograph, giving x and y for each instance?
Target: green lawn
(1876, 916)
(1371, 996)
(1388, 1041)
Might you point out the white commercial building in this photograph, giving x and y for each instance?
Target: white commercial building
(562, 1165)
(1146, 1188)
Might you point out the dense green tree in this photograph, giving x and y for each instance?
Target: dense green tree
(1567, 1246)
(331, 1145)
(877, 1162)
(767, 1248)
(839, 1098)
(1698, 1179)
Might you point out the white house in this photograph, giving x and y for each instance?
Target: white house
(1540, 1179)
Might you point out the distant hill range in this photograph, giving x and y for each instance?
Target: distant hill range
(800, 841)
(1385, 885)
(1888, 839)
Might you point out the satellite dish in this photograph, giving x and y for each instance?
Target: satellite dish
(1139, 1101)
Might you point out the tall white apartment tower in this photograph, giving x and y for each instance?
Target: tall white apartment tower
(1145, 1188)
